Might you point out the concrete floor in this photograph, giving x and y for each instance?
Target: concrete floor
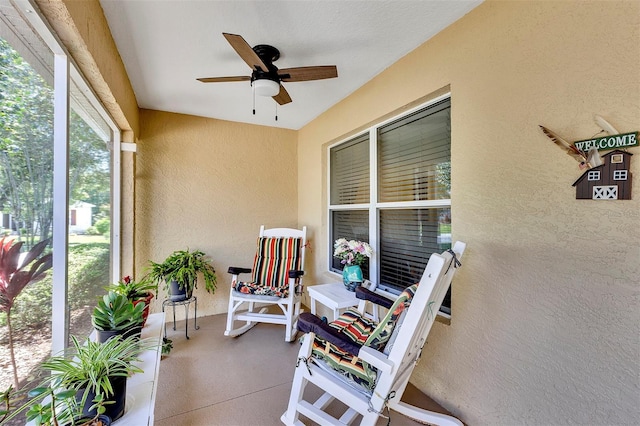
(216, 380)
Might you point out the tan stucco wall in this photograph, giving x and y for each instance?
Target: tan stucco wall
(545, 326)
(83, 29)
(209, 184)
(545, 310)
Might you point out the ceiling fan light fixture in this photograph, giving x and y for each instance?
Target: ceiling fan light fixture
(266, 87)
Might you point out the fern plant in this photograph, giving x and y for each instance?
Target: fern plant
(183, 267)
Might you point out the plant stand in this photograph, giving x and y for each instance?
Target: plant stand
(186, 303)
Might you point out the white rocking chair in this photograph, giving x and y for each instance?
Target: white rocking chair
(276, 279)
(365, 365)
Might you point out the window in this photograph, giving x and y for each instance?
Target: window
(45, 103)
(391, 186)
(593, 175)
(616, 158)
(619, 175)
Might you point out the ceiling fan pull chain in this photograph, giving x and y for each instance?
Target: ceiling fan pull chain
(276, 111)
(253, 90)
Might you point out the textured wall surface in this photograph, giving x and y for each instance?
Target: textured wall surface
(545, 326)
(209, 184)
(83, 29)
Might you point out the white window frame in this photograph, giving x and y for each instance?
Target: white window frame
(65, 71)
(593, 175)
(620, 175)
(374, 207)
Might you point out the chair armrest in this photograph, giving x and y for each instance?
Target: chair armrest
(236, 270)
(295, 274)
(375, 358)
(366, 294)
(307, 322)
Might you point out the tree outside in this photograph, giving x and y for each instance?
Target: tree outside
(26, 203)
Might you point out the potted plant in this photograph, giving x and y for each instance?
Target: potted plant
(137, 292)
(87, 387)
(50, 407)
(47, 406)
(179, 272)
(97, 373)
(116, 315)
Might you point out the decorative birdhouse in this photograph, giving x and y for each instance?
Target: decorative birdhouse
(608, 181)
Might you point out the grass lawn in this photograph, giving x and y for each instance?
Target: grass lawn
(85, 239)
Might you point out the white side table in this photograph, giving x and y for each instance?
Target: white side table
(334, 296)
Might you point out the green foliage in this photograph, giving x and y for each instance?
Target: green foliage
(88, 272)
(183, 267)
(103, 226)
(92, 231)
(26, 150)
(90, 367)
(167, 345)
(115, 313)
(133, 290)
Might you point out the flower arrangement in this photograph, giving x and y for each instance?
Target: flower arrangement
(351, 252)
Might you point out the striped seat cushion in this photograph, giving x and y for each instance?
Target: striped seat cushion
(354, 326)
(275, 257)
(359, 329)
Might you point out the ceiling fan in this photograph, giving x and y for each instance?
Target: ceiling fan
(266, 78)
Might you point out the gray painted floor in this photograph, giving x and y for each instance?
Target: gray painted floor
(216, 380)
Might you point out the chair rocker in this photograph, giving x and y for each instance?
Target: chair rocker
(276, 279)
(367, 365)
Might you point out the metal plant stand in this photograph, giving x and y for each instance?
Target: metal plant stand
(186, 303)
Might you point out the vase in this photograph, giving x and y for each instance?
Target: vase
(351, 276)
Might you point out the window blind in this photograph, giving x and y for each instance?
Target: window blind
(414, 156)
(350, 172)
(352, 225)
(407, 239)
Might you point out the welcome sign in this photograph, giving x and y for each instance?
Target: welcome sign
(623, 140)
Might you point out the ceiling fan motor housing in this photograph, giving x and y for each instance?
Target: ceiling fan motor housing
(268, 54)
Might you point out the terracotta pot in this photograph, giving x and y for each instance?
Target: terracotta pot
(147, 302)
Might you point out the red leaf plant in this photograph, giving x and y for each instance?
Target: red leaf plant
(14, 277)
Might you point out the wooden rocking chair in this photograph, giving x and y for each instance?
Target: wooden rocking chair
(367, 365)
(276, 279)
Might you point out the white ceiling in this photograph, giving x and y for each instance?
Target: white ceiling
(166, 45)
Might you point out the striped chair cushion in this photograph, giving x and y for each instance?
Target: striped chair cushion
(275, 257)
(360, 329)
(352, 324)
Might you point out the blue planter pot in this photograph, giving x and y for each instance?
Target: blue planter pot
(352, 277)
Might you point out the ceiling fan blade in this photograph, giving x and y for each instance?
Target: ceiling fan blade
(308, 73)
(245, 51)
(224, 79)
(282, 98)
